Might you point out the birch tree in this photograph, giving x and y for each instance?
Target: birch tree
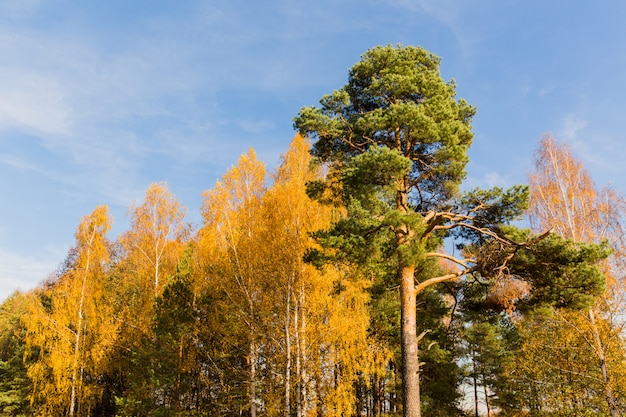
(72, 325)
(564, 198)
(323, 313)
(232, 214)
(156, 238)
(290, 216)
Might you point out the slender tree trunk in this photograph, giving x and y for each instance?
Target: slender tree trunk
(253, 376)
(319, 401)
(156, 276)
(485, 387)
(304, 375)
(376, 388)
(393, 397)
(288, 350)
(474, 380)
(410, 358)
(296, 325)
(486, 391)
(79, 330)
(179, 372)
(608, 391)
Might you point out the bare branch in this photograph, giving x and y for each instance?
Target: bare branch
(435, 280)
(463, 262)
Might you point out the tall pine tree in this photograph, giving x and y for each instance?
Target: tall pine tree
(395, 139)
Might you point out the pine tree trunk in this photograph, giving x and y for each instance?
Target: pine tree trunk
(179, 372)
(487, 404)
(410, 358)
(485, 387)
(475, 382)
(376, 388)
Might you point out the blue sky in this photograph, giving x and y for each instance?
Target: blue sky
(100, 99)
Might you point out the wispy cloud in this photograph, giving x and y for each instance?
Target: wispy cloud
(597, 147)
(451, 14)
(487, 180)
(33, 97)
(19, 163)
(255, 126)
(19, 8)
(446, 11)
(83, 102)
(571, 126)
(32, 102)
(24, 272)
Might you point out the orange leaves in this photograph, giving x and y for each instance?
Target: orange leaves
(285, 329)
(297, 325)
(71, 324)
(563, 196)
(237, 195)
(506, 292)
(157, 235)
(90, 238)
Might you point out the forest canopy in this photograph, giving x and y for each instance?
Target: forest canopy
(356, 278)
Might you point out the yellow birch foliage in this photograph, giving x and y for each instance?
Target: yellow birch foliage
(345, 352)
(152, 248)
(564, 198)
(70, 325)
(232, 217)
(323, 318)
(289, 217)
(156, 238)
(310, 337)
(230, 250)
(555, 369)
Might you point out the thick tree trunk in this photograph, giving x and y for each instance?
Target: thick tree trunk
(410, 358)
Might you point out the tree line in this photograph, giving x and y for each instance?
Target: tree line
(355, 279)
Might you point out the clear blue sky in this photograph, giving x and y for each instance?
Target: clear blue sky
(100, 98)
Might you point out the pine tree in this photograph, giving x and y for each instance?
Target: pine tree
(395, 140)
